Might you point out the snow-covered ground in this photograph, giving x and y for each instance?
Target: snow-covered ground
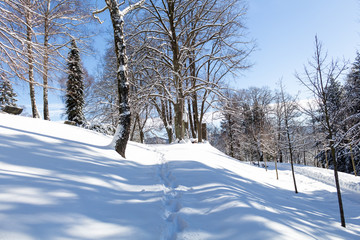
(62, 182)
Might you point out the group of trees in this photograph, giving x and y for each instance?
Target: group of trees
(178, 54)
(259, 123)
(33, 39)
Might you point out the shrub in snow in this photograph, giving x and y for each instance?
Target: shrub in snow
(107, 129)
(7, 94)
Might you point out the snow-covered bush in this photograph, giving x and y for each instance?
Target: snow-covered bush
(107, 129)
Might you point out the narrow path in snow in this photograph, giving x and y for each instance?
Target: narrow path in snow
(174, 224)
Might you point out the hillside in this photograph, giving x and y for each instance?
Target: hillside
(61, 182)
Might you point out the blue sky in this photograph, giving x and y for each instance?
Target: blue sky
(284, 31)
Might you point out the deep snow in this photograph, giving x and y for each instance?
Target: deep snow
(62, 182)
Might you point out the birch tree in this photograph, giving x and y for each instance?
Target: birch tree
(19, 42)
(33, 37)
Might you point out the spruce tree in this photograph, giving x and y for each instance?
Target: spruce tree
(74, 99)
(352, 92)
(7, 94)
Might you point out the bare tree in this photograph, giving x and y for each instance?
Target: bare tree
(179, 35)
(290, 112)
(19, 41)
(61, 21)
(33, 34)
(317, 77)
(117, 17)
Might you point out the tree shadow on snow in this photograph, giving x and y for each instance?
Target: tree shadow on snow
(219, 204)
(64, 189)
(54, 188)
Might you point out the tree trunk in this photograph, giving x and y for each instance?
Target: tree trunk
(292, 167)
(133, 131)
(179, 123)
(231, 153)
(276, 169)
(194, 95)
(168, 119)
(199, 132)
(123, 130)
(166, 116)
(191, 122)
(342, 217)
(352, 160)
(179, 105)
(291, 153)
(204, 131)
(35, 112)
(265, 159)
(46, 65)
(202, 109)
(333, 155)
(140, 129)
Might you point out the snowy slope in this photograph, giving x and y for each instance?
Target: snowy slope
(62, 182)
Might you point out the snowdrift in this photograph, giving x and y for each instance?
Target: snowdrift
(62, 182)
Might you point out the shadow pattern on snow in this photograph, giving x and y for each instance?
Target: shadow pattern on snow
(219, 204)
(55, 188)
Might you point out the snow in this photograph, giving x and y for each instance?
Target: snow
(63, 182)
(122, 68)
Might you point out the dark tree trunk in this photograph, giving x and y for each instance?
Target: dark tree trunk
(179, 123)
(333, 155)
(191, 122)
(140, 129)
(168, 119)
(202, 112)
(194, 94)
(123, 129)
(133, 131)
(179, 105)
(291, 153)
(280, 156)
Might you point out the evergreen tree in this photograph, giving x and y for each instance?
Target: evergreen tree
(7, 94)
(352, 93)
(335, 104)
(74, 99)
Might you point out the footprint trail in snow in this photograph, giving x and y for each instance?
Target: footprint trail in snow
(174, 224)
